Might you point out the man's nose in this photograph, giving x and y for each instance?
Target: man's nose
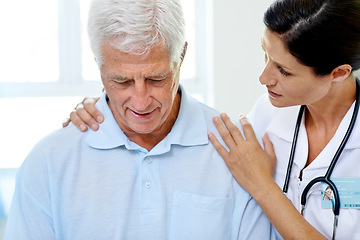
(141, 98)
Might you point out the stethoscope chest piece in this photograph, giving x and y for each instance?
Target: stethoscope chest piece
(326, 178)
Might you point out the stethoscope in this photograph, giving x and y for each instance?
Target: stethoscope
(326, 178)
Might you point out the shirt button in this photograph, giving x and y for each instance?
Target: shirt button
(148, 160)
(148, 185)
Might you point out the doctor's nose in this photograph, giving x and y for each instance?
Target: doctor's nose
(267, 77)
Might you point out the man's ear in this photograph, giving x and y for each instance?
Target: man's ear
(183, 53)
(341, 72)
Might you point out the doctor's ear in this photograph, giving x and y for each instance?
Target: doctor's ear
(341, 72)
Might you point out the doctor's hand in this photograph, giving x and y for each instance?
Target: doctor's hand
(251, 166)
(85, 114)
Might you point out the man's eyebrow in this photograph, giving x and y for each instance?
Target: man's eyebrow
(122, 78)
(117, 77)
(160, 75)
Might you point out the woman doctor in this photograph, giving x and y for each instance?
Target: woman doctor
(311, 49)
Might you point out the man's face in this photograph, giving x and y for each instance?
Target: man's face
(141, 89)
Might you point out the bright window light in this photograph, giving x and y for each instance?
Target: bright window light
(29, 41)
(47, 67)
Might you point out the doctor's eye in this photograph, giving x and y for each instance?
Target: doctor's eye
(283, 72)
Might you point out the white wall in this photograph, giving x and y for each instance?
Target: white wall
(237, 55)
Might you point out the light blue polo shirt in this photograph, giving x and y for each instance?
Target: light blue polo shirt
(99, 185)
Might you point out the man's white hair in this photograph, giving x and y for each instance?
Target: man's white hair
(134, 26)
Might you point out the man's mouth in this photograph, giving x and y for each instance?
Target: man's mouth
(142, 115)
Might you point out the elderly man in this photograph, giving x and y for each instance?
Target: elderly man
(149, 172)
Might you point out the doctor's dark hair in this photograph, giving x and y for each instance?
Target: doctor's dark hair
(321, 34)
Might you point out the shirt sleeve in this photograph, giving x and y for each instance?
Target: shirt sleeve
(30, 216)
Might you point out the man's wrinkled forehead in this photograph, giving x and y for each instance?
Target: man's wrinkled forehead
(121, 65)
(155, 51)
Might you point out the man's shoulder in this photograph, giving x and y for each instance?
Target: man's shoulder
(58, 142)
(63, 136)
(52, 152)
(208, 111)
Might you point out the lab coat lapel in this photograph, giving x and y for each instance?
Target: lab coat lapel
(281, 130)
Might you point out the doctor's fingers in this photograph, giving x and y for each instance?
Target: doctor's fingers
(225, 130)
(232, 129)
(76, 120)
(268, 147)
(248, 129)
(81, 117)
(219, 147)
(90, 107)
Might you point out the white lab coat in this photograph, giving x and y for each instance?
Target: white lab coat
(280, 124)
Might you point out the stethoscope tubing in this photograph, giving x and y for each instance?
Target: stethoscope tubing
(293, 148)
(326, 178)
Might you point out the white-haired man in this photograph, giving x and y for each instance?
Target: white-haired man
(150, 171)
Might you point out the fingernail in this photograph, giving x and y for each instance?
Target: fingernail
(241, 116)
(82, 127)
(223, 114)
(242, 119)
(99, 118)
(93, 126)
(216, 118)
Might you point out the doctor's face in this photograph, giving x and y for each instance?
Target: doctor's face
(141, 89)
(289, 82)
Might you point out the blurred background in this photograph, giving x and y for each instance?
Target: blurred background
(47, 68)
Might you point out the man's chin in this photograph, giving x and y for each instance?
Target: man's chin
(142, 130)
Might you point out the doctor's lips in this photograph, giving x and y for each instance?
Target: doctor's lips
(273, 94)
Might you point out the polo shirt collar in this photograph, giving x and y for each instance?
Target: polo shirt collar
(109, 135)
(189, 128)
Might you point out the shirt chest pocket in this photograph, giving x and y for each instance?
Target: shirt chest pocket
(200, 217)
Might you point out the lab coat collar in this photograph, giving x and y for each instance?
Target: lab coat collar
(354, 140)
(283, 126)
(283, 123)
(189, 128)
